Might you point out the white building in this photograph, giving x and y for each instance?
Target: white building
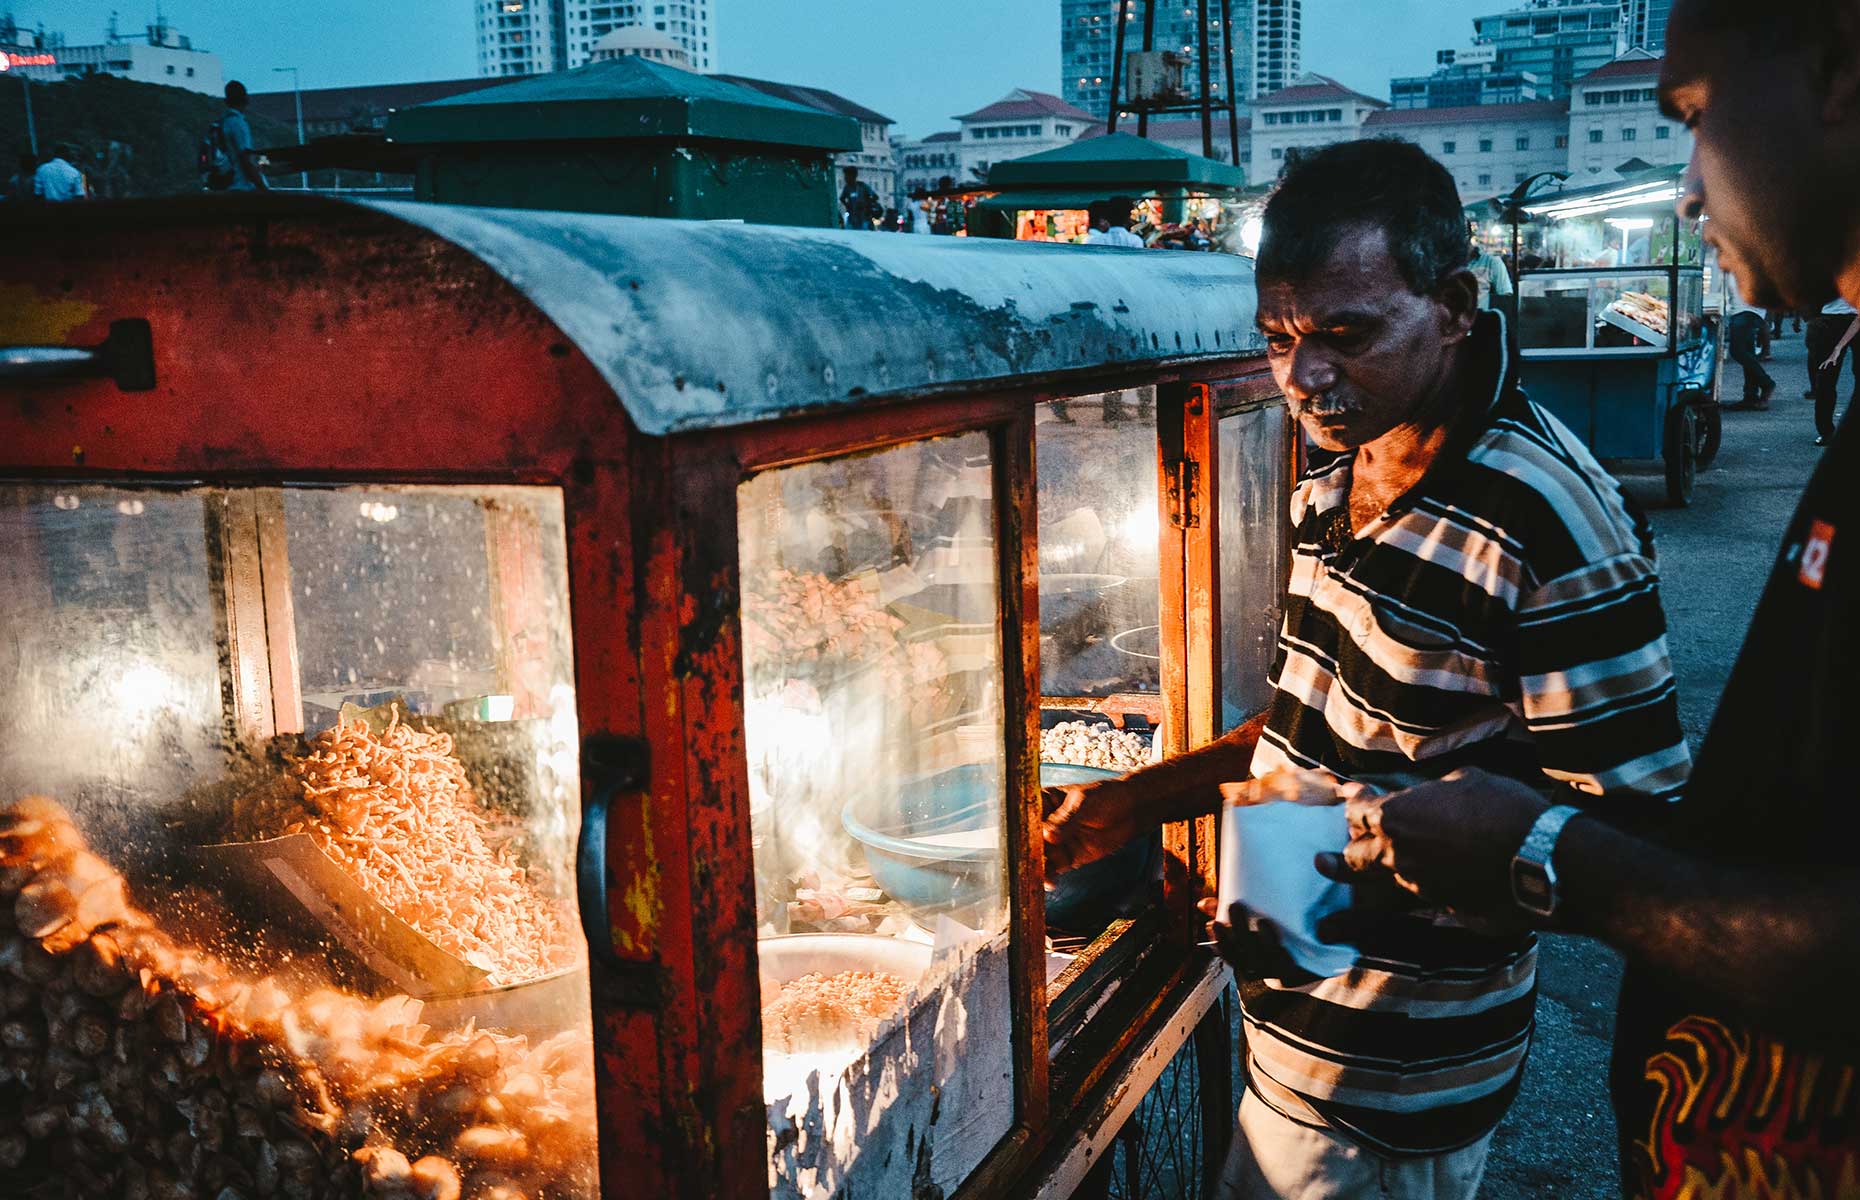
(529, 37)
(1489, 148)
(1022, 122)
(1614, 118)
(926, 164)
(159, 56)
(1314, 111)
(1278, 45)
(636, 41)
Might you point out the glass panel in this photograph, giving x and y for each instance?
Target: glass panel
(1099, 630)
(359, 936)
(1601, 311)
(1255, 450)
(1099, 540)
(874, 735)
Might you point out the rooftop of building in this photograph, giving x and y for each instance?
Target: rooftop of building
(1528, 110)
(1312, 88)
(946, 135)
(812, 97)
(342, 103)
(636, 37)
(1635, 64)
(1023, 102)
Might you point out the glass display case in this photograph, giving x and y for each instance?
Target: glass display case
(874, 729)
(308, 754)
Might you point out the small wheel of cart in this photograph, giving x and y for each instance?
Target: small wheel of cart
(1710, 422)
(1173, 1146)
(1681, 453)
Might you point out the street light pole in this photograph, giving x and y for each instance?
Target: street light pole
(303, 177)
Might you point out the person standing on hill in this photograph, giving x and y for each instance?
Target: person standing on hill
(235, 138)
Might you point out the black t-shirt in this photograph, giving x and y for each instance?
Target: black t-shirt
(1707, 1103)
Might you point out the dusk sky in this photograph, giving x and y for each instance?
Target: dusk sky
(917, 63)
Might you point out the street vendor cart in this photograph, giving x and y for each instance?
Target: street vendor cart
(1046, 197)
(1611, 329)
(529, 704)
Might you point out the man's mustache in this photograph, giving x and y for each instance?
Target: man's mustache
(1325, 405)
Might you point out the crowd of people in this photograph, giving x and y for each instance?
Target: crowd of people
(1473, 664)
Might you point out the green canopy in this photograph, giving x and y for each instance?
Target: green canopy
(1051, 198)
(1117, 164)
(629, 98)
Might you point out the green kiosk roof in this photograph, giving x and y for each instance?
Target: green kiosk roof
(622, 98)
(1115, 162)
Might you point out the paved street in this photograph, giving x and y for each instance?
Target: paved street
(1559, 1139)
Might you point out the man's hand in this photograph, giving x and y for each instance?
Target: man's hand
(1251, 945)
(1449, 842)
(1083, 823)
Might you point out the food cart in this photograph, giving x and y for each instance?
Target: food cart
(1045, 197)
(1611, 330)
(514, 703)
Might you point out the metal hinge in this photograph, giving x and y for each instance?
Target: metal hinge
(1183, 476)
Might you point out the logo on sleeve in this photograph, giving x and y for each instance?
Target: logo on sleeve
(1815, 551)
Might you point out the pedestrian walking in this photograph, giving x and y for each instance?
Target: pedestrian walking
(19, 185)
(1741, 337)
(57, 180)
(1735, 1044)
(859, 203)
(1469, 585)
(1825, 349)
(233, 162)
(1110, 223)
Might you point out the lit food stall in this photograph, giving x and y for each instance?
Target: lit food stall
(1612, 334)
(526, 704)
(1045, 196)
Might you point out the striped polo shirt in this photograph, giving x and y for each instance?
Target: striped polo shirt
(1504, 613)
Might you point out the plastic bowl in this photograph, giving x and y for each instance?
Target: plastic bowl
(941, 848)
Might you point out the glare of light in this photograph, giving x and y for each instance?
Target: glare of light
(65, 502)
(129, 508)
(376, 511)
(140, 692)
(1251, 230)
(1631, 222)
(1140, 527)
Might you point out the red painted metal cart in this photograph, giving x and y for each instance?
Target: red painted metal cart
(394, 593)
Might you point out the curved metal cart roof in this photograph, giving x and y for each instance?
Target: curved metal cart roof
(700, 325)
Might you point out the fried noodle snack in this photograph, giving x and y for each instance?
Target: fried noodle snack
(397, 812)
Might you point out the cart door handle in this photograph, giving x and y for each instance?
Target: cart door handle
(126, 356)
(609, 766)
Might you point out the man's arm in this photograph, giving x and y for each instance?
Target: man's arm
(1775, 945)
(1088, 822)
(238, 135)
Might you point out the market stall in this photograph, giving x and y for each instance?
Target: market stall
(513, 703)
(1611, 329)
(1045, 196)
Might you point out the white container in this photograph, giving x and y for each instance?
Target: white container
(1266, 853)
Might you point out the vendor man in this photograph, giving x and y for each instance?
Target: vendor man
(1737, 1049)
(1468, 588)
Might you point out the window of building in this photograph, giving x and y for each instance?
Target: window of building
(171, 68)
(1485, 145)
(1628, 135)
(1523, 143)
(1662, 132)
(1562, 141)
(1303, 118)
(1485, 180)
(190, 72)
(1277, 153)
(1448, 147)
(1336, 114)
(1611, 97)
(1595, 135)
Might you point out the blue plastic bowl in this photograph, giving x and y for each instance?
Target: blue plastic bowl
(928, 875)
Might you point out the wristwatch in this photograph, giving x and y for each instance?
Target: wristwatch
(1533, 876)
